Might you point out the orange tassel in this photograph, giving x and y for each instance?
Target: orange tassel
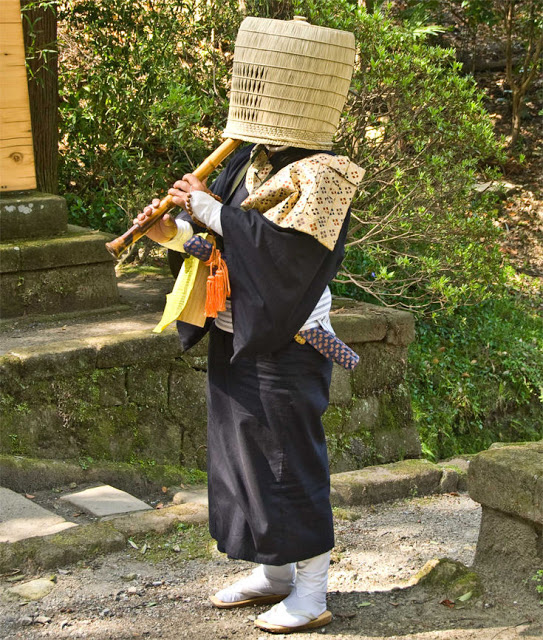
(210, 310)
(220, 290)
(218, 285)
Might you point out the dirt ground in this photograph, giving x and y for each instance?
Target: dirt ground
(163, 592)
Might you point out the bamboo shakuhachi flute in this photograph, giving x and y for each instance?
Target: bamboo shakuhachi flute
(120, 244)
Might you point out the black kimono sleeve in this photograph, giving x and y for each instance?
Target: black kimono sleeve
(277, 277)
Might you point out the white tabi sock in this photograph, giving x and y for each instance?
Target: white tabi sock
(264, 580)
(307, 600)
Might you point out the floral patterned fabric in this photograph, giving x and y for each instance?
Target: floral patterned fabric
(311, 195)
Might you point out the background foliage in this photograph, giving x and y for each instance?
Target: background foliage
(144, 88)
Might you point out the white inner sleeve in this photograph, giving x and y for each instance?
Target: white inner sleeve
(184, 233)
(320, 316)
(207, 209)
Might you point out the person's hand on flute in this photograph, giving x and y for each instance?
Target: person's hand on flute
(162, 231)
(203, 206)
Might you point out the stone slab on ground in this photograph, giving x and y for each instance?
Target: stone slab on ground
(20, 518)
(105, 500)
(190, 496)
(95, 539)
(385, 482)
(510, 479)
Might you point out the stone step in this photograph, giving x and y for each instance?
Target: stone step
(20, 518)
(66, 273)
(105, 500)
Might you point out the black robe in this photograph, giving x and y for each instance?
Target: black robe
(268, 475)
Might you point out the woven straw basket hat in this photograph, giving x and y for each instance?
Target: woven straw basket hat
(289, 83)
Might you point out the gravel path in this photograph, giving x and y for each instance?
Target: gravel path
(163, 592)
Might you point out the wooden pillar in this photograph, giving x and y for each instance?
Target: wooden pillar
(17, 171)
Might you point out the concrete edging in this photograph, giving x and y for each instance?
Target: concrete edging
(90, 540)
(370, 485)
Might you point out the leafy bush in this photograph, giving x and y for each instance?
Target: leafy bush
(143, 99)
(516, 26)
(476, 377)
(420, 239)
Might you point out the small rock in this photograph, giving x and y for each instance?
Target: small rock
(157, 583)
(129, 576)
(132, 590)
(176, 548)
(33, 590)
(25, 621)
(73, 485)
(42, 620)
(105, 612)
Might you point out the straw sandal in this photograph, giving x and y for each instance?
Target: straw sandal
(270, 599)
(323, 619)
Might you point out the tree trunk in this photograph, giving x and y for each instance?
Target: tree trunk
(516, 105)
(40, 34)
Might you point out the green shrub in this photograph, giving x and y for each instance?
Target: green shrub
(420, 238)
(476, 377)
(143, 99)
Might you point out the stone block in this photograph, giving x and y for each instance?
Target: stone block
(104, 501)
(62, 289)
(32, 214)
(62, 548)
(112, 387)
(364, 415)
(188, 405)
(35, 430)
(508, 545)
(78, 246)
(381, 366)
(148, 386)
(348, 455)
(509, 479)
(58, 359)
(367, 325)
(20, 518)
(385, 482)
(449, 481)
(455, 473)
(401, 328)
(340, 388)
(10, 259)
(394, 435)
(133, 348)
(362, 322)
(190, 496)
(159, 437)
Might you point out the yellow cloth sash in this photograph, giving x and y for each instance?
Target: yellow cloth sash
(187, 300)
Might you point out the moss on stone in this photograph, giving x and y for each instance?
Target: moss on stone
(61, 548)
(450, 578)
(186, 542)
(346, 514)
